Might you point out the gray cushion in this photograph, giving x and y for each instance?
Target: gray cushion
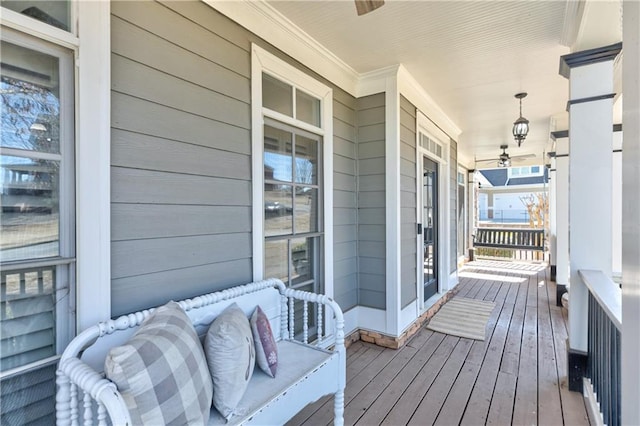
(231, 358)
(162, 372)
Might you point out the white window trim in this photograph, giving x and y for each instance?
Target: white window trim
(93, 163)
(263, 61)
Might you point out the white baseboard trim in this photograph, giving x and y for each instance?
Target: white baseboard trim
(591, 403)
(362, 317)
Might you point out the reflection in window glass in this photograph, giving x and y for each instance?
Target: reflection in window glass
(277, 155)
(30, 208)
(30, 109)
(276, 256)
(55, 13)
(306, 160)
(277, 95)
(302, 256)
(278, 210)
(307, 108)
(306, 209)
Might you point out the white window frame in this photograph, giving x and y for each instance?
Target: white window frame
(263, 61)
(92, 147)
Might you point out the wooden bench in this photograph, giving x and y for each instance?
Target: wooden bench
(518, 239)
(306, 371)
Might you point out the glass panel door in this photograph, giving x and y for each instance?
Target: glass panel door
(430, 224)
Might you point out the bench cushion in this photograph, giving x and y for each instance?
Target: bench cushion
(295, 363)
(161, 371)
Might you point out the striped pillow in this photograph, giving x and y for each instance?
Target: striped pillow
(162, 372)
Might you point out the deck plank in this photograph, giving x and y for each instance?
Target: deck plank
(549, 407)
(411, 398)
(516, 376)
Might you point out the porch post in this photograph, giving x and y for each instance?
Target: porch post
(552, 216)
(562, 216)
(590, 74)
(631, 216)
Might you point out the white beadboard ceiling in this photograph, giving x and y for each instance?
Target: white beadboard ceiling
(472, 57)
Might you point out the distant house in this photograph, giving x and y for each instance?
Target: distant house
(501, 191)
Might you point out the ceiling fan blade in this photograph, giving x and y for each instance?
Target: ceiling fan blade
(366, 6)
(487, 160)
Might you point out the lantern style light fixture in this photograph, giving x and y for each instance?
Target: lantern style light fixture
(521, 125)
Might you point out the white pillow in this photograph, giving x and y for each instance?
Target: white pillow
(231, 357)
(161, 371)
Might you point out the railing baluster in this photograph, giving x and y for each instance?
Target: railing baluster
(305, 322)
(291, 315)
(319, 307)
(88, 411)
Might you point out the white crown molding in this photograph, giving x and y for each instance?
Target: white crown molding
(263, 20)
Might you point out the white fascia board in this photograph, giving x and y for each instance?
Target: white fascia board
(418, 96)
(265, 21)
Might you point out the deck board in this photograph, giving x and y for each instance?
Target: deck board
(516, 376)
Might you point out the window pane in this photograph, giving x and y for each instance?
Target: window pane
(277, 95)
(307, 108)
(306, 209)
(276, 256)
(28, 316)
(303, 260)
(30, 110)
(30, 208)
(535, 169)
(306, 160)
(278, 209)
(54, 13)
(277, 155)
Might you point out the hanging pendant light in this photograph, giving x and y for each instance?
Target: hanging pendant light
(521, 125)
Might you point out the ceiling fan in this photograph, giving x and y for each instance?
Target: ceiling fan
(366, 6)
(504, 160)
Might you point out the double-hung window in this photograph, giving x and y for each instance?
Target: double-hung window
(37, 221)
(292, 145)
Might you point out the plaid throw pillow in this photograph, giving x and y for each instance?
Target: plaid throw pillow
(162, 372)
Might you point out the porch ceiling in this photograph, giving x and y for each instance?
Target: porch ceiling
(471, 57)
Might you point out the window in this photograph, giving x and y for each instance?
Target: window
(54, 13)
(292, 162)
(292, 190)
(525, 171)
(36, 187)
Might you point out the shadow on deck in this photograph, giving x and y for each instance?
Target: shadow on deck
(516, 376)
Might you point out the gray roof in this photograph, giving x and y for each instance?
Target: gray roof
(499, 177)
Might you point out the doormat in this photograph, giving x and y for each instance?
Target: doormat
(463, 317)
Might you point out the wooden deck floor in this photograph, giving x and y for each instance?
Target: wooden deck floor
(516, 376)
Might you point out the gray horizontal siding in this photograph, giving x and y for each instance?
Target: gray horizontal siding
(345, 212)
(181, 157)
(371, 201)
(408, 221)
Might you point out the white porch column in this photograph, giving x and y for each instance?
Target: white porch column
(616, 265)
(590, 74)
(562, 214)
(552, 216)
(631, 216)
